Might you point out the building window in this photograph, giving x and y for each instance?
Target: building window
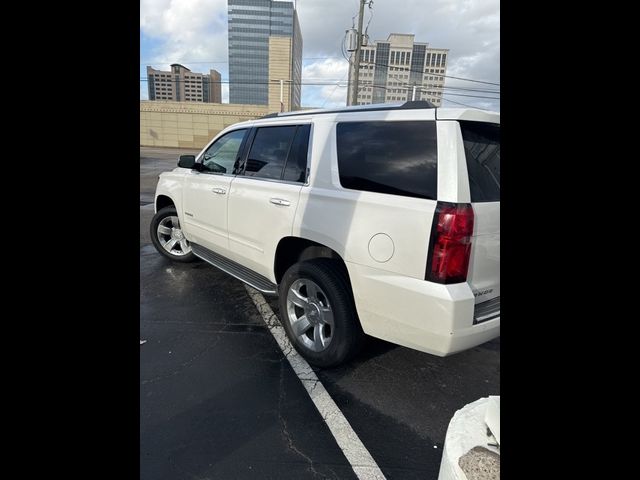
(402, 58)
(428, 59)
(408, 59)
(444, 59)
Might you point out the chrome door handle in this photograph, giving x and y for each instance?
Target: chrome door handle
(280, 201)
(219, 191)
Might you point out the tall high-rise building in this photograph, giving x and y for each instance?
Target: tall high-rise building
(390, 69)
(183, 85)
(265, 46)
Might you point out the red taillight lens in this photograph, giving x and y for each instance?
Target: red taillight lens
(450, 245)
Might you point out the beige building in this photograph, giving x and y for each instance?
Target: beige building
(190, 124)
(390, 69)
(280, 69)
(182, 85)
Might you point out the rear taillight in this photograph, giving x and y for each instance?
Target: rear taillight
(450, 244)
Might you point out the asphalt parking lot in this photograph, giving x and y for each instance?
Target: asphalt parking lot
(218, 398)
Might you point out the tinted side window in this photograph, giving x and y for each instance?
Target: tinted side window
(296, 168)
(482, 149)
(222, 154)
(269, 152)
(398, 158)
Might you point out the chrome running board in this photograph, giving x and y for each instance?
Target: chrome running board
(234, 269)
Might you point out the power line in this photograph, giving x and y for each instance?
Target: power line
(460, 103)
(442, 93)
(441, 87)
(248, 83)
(328, 82)
(429, 73)
(364, 63)
(366, 30)
(438, 93)
(338, 85)
(335, 88)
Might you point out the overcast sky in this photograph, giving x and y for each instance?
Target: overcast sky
(194, 33)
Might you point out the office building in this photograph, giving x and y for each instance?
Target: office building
(182, 85)
(265, 47)
(390, 69)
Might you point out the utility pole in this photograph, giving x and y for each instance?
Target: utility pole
(413, 95)
(356, 73)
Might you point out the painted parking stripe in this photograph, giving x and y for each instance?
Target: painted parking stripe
(356, 453)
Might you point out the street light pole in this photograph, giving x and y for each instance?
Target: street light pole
(356, 73)
(281, 95)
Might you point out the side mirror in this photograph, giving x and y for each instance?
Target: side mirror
(187, 161)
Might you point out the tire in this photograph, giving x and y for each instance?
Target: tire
(167, 236)
(319, 342)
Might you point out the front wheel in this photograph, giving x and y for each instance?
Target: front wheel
(168, 238)
(318, 312)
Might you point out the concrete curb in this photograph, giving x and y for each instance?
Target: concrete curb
(466, 445)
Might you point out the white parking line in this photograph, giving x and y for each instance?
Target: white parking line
(358, 456)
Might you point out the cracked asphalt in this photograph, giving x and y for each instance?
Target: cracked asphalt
(219, 400)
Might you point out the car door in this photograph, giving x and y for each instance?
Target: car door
(206, 192)
(264, 196)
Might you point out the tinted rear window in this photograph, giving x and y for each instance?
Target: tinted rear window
(482, 149)
(398, 158)
(296, 168)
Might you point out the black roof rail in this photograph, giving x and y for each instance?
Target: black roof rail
(410, 105)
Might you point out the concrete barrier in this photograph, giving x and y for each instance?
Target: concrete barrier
(469, 453)
(190, 124)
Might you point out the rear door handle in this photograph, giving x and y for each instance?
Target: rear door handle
(219, 191)
(280, 201)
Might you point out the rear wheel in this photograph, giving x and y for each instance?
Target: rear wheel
(318, 312)
(168, 238)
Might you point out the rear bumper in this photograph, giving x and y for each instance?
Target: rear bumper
(426, 316)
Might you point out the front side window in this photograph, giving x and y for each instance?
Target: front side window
(269, 152)
(221, 156)
(398, 158)
(279, 153)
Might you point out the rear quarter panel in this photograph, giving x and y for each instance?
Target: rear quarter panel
(347, 220)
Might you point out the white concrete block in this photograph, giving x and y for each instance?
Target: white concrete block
(466, 430)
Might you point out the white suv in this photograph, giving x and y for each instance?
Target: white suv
(378, 219)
